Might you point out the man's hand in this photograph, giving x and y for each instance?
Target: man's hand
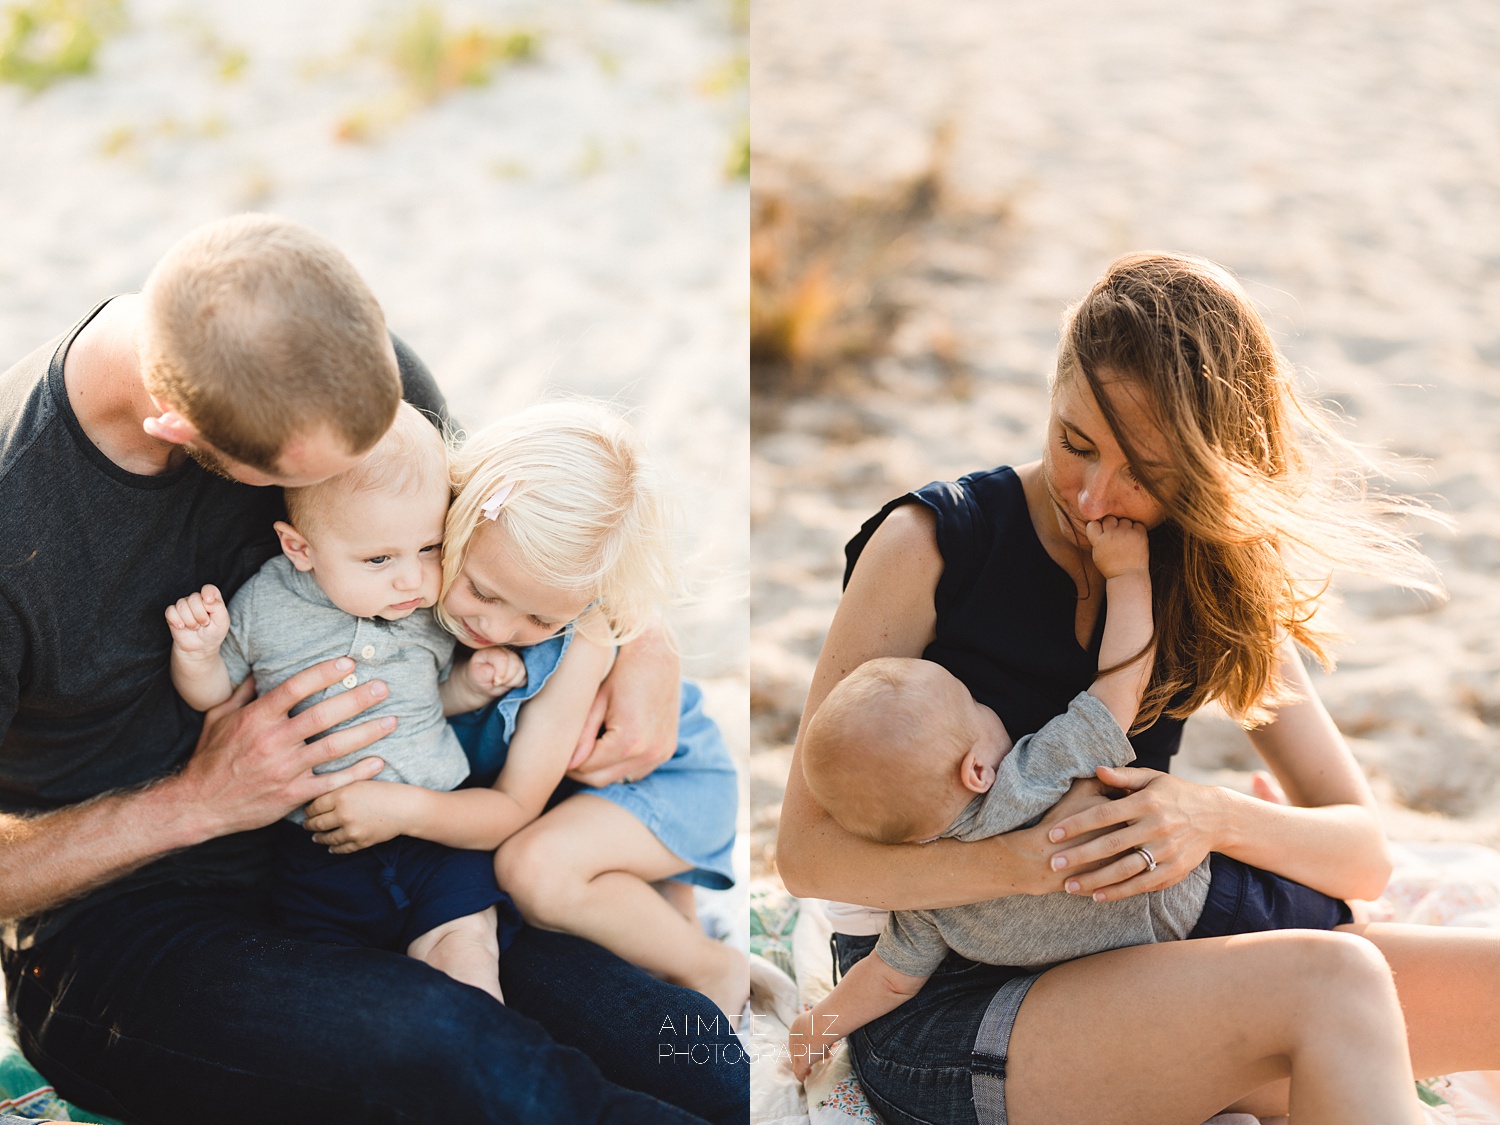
(199, 622)
(637, 708)
(495, 671)
(365, 813)
(253, 764)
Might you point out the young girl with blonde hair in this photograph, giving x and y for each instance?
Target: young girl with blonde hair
(558, 545)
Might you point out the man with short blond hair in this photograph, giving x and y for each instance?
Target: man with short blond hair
(260, 331)
(144, 978)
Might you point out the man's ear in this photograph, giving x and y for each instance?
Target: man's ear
(168, 425)
(293, 545)
(978, 776)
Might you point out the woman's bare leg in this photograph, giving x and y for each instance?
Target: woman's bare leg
(1448, 981)
(1449, 984)
(1172, 1034)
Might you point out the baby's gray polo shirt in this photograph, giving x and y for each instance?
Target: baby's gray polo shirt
(1035, 930)
(281, 622)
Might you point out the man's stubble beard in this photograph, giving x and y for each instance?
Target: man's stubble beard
(208, 461)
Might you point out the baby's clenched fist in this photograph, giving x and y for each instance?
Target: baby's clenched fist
(199, 622)
(1119, 545)
(497, 670)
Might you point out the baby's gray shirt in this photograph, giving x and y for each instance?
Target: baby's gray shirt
(281, 622)
(1036, 930)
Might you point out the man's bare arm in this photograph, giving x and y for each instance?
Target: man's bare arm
(252, 766)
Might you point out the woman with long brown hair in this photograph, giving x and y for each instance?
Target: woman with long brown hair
(1171, 406)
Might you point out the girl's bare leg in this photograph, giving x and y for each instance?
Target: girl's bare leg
(1172, 1034)
(680, 895)
(467, 949)
(586, 868)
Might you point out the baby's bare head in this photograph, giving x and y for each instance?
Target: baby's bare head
(410, 460)
(884, 752)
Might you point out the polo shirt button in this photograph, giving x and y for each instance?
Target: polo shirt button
(351, 680)
(367, 652)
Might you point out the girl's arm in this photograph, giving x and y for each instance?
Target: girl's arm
(1329, 838)
(888, 610)
(547, 730)
(869, 990)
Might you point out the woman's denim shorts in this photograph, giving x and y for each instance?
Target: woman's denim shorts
(939, 1059)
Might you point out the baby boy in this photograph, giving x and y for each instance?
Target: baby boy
(900, 752)
(359, 572)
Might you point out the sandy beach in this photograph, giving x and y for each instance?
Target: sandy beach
(987, 165)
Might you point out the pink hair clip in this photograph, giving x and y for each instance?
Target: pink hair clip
(490, 509)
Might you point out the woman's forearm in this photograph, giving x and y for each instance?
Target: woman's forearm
(1337, 849)
(1330, 836)
(818, 858)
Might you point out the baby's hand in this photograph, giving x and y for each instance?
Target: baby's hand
(799, 1045)
(495, 671)
(199, 622)
(1119, 545)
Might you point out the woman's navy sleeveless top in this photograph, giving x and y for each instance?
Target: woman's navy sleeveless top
(1005, 610)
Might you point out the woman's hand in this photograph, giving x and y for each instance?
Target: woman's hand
(1032, 848)
(1171, 818)
(368, 812)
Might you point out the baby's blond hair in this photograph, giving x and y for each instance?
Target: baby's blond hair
(584, 511)
(411, 455)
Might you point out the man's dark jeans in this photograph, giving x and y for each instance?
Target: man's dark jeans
(173, 1005)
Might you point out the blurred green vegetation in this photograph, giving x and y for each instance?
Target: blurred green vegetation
(737, 165)
(433, 60)
(728, 76)
(732, 78)
(227, 60)
(43, 41)
(592, 161)
(232, 63)
(133, 140)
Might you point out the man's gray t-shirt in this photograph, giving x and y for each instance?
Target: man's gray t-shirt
(281, 622)
(90, 556)
(1036, 930)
